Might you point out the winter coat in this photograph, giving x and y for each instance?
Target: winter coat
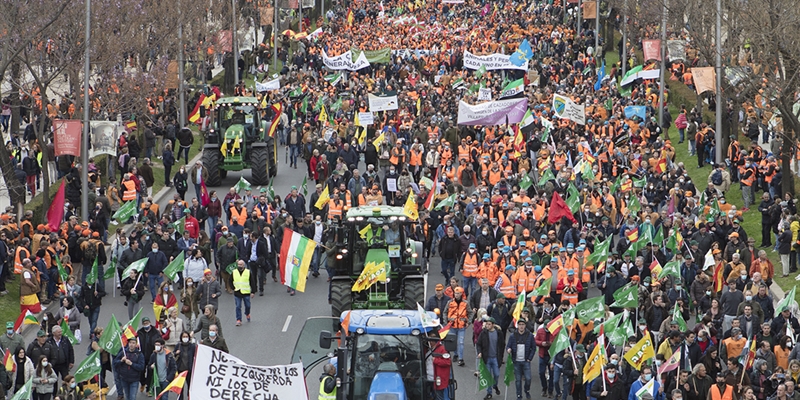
(129, 373)
(205, 290)
(203, 323)
(527, 339)
(44, 387)
(483, 345)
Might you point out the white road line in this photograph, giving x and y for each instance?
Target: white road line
(286, 324)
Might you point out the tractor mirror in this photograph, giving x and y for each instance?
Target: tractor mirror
(325, 340)
(450, 342)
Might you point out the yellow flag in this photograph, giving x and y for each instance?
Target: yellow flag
(373, 272)
(641, 352)
(366, 233)
(324, 197)
(323, 115)
(224, 148)
(378, 140)
(356, 121)
(419, 105)
(157, 310)
(595, 363)
(410, 208)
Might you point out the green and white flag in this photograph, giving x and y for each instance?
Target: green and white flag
(547, 175)
(677, 317)
(589, 309)
(786, 302)
(175, 266)
(508, 376)
(271, 190)
(548, 127)
(304, 186)
(333, 79)
(543, 289)
(91, 278)
(573, 198)
(450, 201)
(561, 341)
(671, 268)
(648, 387)
(458, 82)
(610, 324)
(525, 182)
(180, 225)
(137, 266)
(513, 88)
(485, 378)
(243, 184)
(68, 333)
(89, 367)
(626, 297)
(109, 340)
(25, 392)
(125, 212)
(480, 71)
(62, 272)
(601, 253)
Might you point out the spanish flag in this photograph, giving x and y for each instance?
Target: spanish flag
(176, 386)
(634, 235)
(444, 331)
(276, 108)
(555, 325)
(661, 166)
(8, 362)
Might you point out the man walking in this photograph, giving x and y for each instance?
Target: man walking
(522, 348)
(491, 343)
(129, 364)
(449, 249)
(154, 271)
(163, 365)
(244, 287)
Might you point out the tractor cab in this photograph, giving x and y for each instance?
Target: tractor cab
(381, 354)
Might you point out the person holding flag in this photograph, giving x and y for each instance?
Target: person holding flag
(128, 365)
(162, 362)
(522, 347)
(646, 384)
(491, 343)
(544, 340)
(609, 386)
(573, 371)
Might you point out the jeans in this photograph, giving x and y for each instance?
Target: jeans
(133, 308)
(197, 191)
(681, 134)
(161, 386)
(212, 223)
(94, 314)
(522, 368)
(239, 306)
(692, 149)
(556, 379)
(4, 121)
(130, 389)
(547, 384)
(155, 281)
(185, 151)
(294, 151)
(315, 259)
(469, 283)
(494, 369)
(460, 332)
(448, 269)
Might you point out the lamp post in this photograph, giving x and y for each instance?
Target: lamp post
(85, 141)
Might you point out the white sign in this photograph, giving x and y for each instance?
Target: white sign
(274, 84)
(345, 61)
(366, 118)
(220, 376)
(105, 135)
(452, 1)
(565, 108)
(377, 103)
(491, 62)
(485, 94)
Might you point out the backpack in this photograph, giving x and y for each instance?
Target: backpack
(716, 177)
(90, 254)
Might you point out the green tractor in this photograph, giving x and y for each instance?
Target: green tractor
(239, 139)
(370, 235)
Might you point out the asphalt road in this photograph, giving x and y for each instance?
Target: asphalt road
(277, 317)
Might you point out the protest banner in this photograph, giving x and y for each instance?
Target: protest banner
(484, 94)
(274, 84)
(651, 49)
(492, 112)
(567, 109)
(382, 103)
(366, 118)
(639, 111)
(737, 75)
(452, 1)
(345, 61)
(267, 14)
(172, 75)
(220, 376)
(491, 62)
(382, 56)
(705, 79)
(676, 49)
(589, 9)
(104, 136)
(67, 136)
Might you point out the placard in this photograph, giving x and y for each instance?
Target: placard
(366, 118)
(382, 103)
(484, 94)
(67, 137)
(676, 49)
(651, 49)
(220, 376)
(492, 112)
(589, 9)
(172, 75)
(491, 62)
(705, 79)
(267, 15)
(565, 108)
(225, 41)
(104, 136)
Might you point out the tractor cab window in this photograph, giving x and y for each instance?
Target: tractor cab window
(388, 353)
(377, 233)
(233, 114)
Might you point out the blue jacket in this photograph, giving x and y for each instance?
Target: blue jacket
(526, 339)
(156, 262)
(129, 373)
(638, 385)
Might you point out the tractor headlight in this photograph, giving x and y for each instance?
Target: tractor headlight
(359, 219)
(351, 219)
(414, 255)
(360, 331)
(344, 251)
(338, 256)
(408, 250)
(392, 219)
(415, 332)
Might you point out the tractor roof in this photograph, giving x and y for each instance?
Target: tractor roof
(376, 211)
(388, 322)
(237, 100)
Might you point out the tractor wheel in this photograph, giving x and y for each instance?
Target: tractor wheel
(414, 292)
(341, 297)
(223, 173)
(211, 161)
(259, 165)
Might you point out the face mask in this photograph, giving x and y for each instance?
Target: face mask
(44, 363)
(738, 337)
(212, 334)
(678, 288)
(708, 293)
(647, 221)
(45, 318)
(72, 385)
(658, 362)
(485, 232)
(748, 298)
(647, 377)
(642, 327)
(701, 339)
(163, 330)
(185, 340)
(611, 375)
(189, 284)
(10, 332)
(158, 348)
(614, 362)
(789, 345)
(147, 327)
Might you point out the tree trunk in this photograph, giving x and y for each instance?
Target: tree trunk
(40, 128)
(16, 190)
(16, 115)
(787, 182)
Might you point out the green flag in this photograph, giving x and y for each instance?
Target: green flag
(573, 198)
(304, 105)
(89, 367)
(672, 244)
(25, 392)
(601, 252)
(319, 103)
(634, 206)
(333, 79)
(678, 318)
(618, 336)
(480, 71)
(671, 268)
(626, 297)
(786, 302)
(508, 377)
(68, 333)
(154, 389)
(137, 266)
(561, 341)
(609, 104)
(125, 212)
(180, 225)
(703, 199)
(336, 106)
(91, 278)
(547, 175)
(543, 289)
(659, 237)
(589, 309)
(450, 201)
(175, 266)
(232, 266)
(109, 340)
(615, 186)
(610, 324)
(109, 273)
(271, 190)
(526, 181)
(243, 184)
(714, 210)
(62, 272)
(640, 183)
(485, 378)
(304, 186)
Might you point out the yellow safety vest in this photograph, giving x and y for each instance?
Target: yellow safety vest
(241, 281)
(324, 395)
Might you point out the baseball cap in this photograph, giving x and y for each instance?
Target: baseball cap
(9, 325)
(439, 286)
(571, 272)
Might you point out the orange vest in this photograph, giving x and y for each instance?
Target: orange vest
(525, 280)
(716, 395)
(416, 158)
(129, 193)
(335, 210)
(464, 153)
(240, 216)
(21, 254)
(470, 265)
(488, 270)
(457, 313)
(571, 297)
(398, 156)
(507, 287)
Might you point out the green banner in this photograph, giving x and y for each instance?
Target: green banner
(382, 56)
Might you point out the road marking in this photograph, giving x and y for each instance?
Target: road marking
(286, 324)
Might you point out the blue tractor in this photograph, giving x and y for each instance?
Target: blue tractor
(381, 355)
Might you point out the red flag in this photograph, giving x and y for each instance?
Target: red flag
(204, 197)
(751, 354)
(55, 214)
(717, 281)
(194, 116)
(276, 108)
(661, 166)
(559, 209)
(346, 323)
(8, 362)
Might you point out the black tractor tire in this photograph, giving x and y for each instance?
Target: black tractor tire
(223, 173)
(212, 159)
(273, 162)
(413, 293)
(341, 297)
(259, 165)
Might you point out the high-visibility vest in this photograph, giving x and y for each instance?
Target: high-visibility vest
(21, 254)
(129, 193)
(488, 270)
(456, 312)
(507, 287)
(240, 216)
(716, 395)
(323, 395)
(525, 280)
(470, 265)
(416, 158)
(494, 176)
(398, 156)
(749, 180)
(571, 297)
(335, 210)
(510, 242)
(241, 281)
(464, 153)
(30, 228)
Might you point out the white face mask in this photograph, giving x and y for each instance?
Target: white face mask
(185, 340)
(158, 348)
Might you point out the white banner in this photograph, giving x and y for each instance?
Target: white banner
(366, 118)
(647, 74)
(493, 112)
(565, 108)
(274, 84)
(452, 1)
(105, 135)
(377, 103)
(491, 62)
(485, 94)
(345, 61)
(220, 376)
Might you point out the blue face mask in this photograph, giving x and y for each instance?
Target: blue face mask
(212, 334)
(648, 377)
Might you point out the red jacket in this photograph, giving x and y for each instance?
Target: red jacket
(192, 226)
(542, 336)
(441, 367)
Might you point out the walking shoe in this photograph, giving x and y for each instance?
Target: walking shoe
(528, 395)
(248, 317)
(497, 390)
(274, 279)
(238, 322)
(487, 397)
(544, 394)
(261, 293)
(460, 363)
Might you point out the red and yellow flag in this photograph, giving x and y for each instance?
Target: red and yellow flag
(176, 386)
(443, 332)
(8, 362)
